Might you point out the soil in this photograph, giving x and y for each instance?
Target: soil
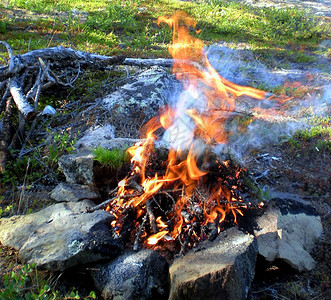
(304, 171)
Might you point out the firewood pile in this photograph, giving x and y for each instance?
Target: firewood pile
(176, 217)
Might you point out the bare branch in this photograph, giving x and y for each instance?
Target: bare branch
(11, 64)
(57, 56)
(140, 62)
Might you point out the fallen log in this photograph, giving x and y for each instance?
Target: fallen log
(24, 77)
(58, 57)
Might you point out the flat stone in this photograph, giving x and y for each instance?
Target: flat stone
(288, 230)
(96, 137)
(133, 275)
(71, 192)
(221, 269)
(99, 139)
(61, 236)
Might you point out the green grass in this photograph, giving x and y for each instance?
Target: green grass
(27, 284)
(114, 158)
(316, 138)
(129, 27)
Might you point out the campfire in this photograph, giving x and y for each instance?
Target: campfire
(190, 195)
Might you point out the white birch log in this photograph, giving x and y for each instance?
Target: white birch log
(20, 100)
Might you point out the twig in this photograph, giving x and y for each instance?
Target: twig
(33, 91)
(113, 191)
(23, 187)
(140, 231)
(214, 231)
(186, 242)
(11, 63)
(5, 134)
(180, 241)
(108, 201)
(4, 96)
(262, 175)
(151, 216)
(22, 152)
(128, 196)
(168, 194)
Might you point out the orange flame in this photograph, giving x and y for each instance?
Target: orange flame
(153, 239)
(193, 67)
(213, 99)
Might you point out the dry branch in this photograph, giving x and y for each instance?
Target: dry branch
(58, 56)
(25, 76)
(20, 100)
(140, 62)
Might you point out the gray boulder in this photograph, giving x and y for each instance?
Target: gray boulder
(61, 236)
(134, 275)
(288, 230)
(81, 168)
(222, 269)
(139, 100)
(77, 167)
(96, 137)
(70, 192)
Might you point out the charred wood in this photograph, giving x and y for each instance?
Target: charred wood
(151, 217)
(139, 233)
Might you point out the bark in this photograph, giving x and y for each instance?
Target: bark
(140, 62)
(20, 100)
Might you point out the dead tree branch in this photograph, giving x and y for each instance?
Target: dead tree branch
(20, 100)
(140, 62)
(24, 77)
(57, 56)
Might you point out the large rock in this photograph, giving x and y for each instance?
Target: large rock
(288, 230)
(136, 102)
(96, 137)
(66, 192)
(134, 275)
(222, 269)
(61, 236)
(81, 168)
(78, 167)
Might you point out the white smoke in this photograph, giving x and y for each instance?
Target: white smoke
(240, 67)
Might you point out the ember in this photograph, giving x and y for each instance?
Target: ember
(195, 194)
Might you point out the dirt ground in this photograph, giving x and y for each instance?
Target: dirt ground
(307, 174)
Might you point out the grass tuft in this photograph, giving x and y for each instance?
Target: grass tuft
(114, 158)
